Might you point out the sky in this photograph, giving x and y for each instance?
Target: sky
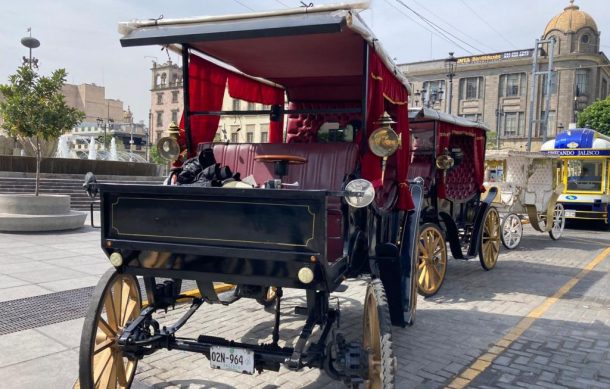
(81, 35)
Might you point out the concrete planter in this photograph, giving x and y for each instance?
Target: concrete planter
(26, 212)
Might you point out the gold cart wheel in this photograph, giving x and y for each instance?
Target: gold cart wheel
(432, 260)
(116, 301)
(377, 338)
(490, 239)
(268, 296)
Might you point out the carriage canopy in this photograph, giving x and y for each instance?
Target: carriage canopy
(316, 59)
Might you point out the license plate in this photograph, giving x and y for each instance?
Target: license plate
(230, 358)
(570, 213)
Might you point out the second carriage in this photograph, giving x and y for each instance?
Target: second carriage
(528, 189)
(449, 152)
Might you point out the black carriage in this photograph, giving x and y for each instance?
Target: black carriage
(326, 200)
(449, 152)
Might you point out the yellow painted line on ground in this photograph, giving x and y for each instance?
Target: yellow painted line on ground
(485, 360)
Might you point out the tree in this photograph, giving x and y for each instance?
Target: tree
(596, 116)
(34, 109)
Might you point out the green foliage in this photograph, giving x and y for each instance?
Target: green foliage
(596, 116)
(155, 157)
(34, 105)
(34, 110)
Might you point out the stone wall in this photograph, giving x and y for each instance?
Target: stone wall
(10, 163)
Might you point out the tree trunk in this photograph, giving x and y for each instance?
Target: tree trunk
(38, 158)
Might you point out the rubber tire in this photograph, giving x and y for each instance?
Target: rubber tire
(502, 225)
(389, 363)
(481, 259)
(263, 300)
(562, 220)
(87, 339)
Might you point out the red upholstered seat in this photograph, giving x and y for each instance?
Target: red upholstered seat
(326, 168)
(460, 181)
(303, 128)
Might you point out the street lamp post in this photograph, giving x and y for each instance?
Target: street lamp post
(105, 124)
(450, 66)
(31, 43)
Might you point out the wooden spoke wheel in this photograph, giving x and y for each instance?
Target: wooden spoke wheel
(559, 221)
(432, 259)
(268, 296)
(490, 239)
(377, 338)
(115, 302)
(512, 231)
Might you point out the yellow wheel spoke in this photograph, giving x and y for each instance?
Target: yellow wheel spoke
(101, 367)
(113, 322)
(105, 327)
(120, 372)
(103, 346)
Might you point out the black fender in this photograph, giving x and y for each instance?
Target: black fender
(475, 242)
(397, 265)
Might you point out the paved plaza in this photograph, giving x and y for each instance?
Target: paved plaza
(538, 320)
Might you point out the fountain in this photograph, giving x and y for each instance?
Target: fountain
(113, 154)
(92, 149)
(63, 150)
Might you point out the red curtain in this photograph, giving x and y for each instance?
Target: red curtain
(386, 92)
(207, 83)
(244, 88)
(445, 130)
(479, 158)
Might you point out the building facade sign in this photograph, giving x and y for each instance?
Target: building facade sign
(495, 57)
(578, 153)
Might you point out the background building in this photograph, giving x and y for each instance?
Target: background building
(166, 106)
(496, 88)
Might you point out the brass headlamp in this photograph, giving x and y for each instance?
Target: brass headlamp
(168, 146)
(384, 141)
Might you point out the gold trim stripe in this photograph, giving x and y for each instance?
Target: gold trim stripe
(308, 209)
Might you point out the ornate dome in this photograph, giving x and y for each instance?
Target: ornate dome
(571, 19)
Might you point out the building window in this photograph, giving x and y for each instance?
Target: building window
(432, 90)
(159, 98)
(251, 106)
(585, 38)
(175, 96)
(249, 137)
(475, 117)
(163, 79)
(582, 82)
(550, 123)
(264, 137)
(235, 137)
(236, 105)
(159, 118)
(175, 116)
(514, 124)
(604, 90)
(553, 84)
(471, 88)
(512, 85)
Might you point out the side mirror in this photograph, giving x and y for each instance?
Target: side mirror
(90, 185)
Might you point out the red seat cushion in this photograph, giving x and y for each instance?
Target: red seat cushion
(303, 128)
(460, 183)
